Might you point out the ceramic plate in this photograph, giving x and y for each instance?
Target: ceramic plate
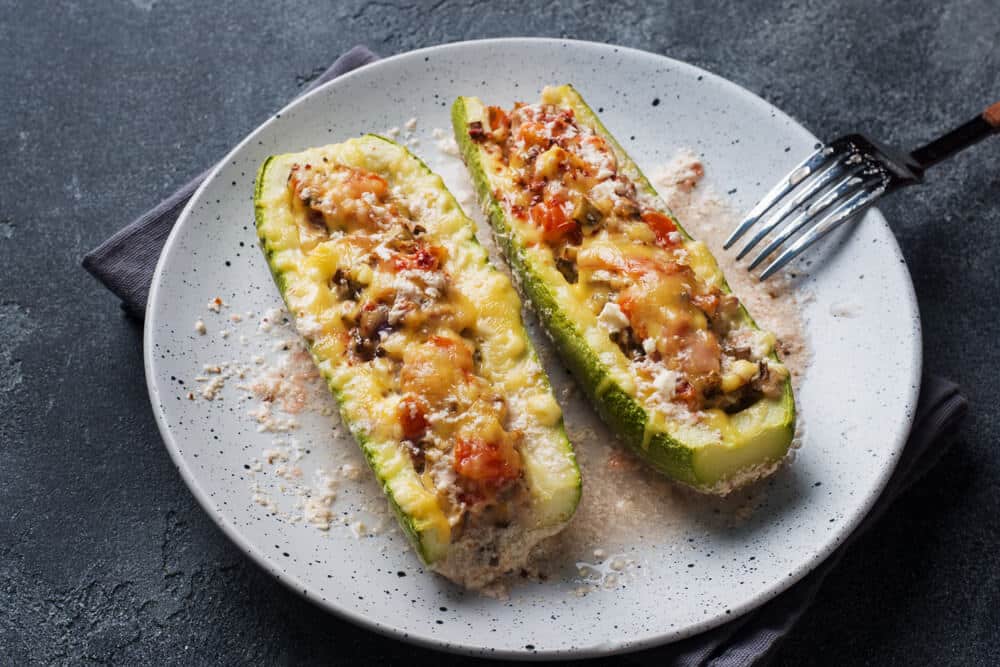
(669, 579)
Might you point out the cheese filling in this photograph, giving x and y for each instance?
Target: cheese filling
(621, 257)
(402, 323)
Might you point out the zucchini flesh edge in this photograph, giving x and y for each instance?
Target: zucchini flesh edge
(551, 474)
(717, 468)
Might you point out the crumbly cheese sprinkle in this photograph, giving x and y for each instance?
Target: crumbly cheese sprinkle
(612, 318)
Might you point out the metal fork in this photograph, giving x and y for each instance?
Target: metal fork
(838, 182)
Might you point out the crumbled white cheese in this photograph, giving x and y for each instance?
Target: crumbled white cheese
(602, 160)
(307, 325)
(392, 132)
(318, 513)
(603, 276)
(272, 317)
(216, 304)
(400, 308)
(410, 125)
(268, 422)
(211, 389)
(435, 279)
(649, 345)
(272, 455)
(199, 326)
(444, 476)
(406, 285)
(607, 189)
(461, 191)
(761, 343)
(665, 382)
(612, 318)
(448, 146)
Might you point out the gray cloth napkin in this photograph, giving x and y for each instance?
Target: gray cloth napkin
(125, 264)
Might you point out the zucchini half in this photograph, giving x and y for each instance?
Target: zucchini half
(716, 452)
(324, 278)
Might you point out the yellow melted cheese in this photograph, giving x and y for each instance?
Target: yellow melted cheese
(712, 426)
(368, 392)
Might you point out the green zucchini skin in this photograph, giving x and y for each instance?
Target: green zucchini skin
(548, 513)
(427, 551)
(620, 410)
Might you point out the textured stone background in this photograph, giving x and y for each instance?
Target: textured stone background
(106, 107)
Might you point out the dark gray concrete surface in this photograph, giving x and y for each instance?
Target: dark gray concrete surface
(105, 107)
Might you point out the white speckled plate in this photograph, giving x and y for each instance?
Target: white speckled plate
(701, 570)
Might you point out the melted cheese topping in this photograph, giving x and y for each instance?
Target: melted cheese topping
(420, 339)
(649, 300)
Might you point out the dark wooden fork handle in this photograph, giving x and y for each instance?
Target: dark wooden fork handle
(977, 129)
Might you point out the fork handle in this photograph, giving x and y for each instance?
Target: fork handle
(963, 136)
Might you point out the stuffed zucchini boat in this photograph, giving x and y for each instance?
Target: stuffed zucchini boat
(639, 310)
(421, 342)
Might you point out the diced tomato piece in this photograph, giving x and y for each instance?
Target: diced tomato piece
(491, 463)
(630, 305)
(534, 134)
(686, 393)
(441, 341)
(558, 121)
(423, 257)
(497, 117)
(413, 417)
(554, 222)
(499, 122)
(361, 182)
(662, 227)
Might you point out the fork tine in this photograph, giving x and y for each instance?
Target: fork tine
(857, 203)
(793, 178)
(810, 213)
(805, 190)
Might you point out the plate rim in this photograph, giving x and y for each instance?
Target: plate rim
(833, 541)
